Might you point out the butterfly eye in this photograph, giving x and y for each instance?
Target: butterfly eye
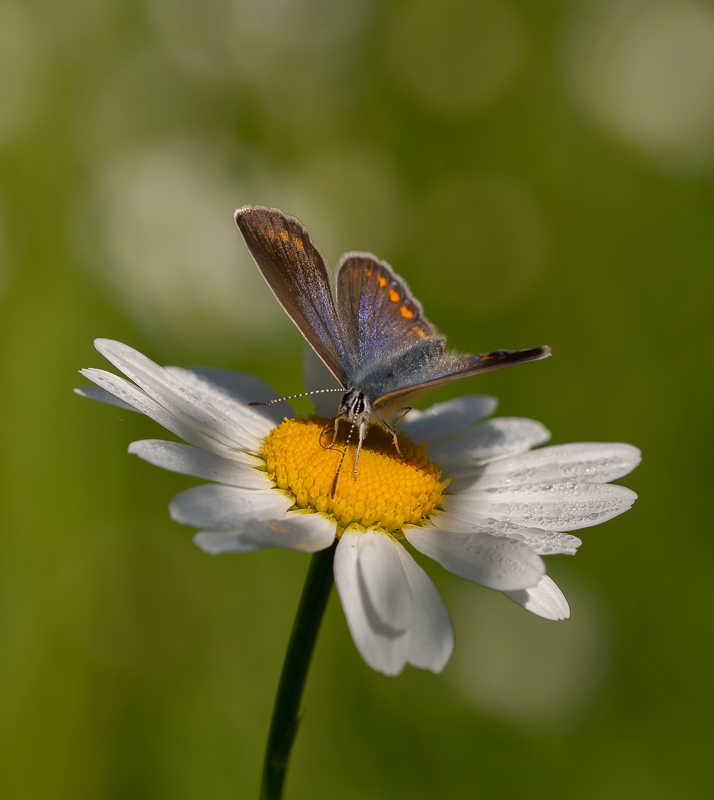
(358, 405)
(353, 402)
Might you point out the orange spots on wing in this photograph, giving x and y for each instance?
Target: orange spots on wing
(406, 312)
(394, 295)
(286, 237)
(420, 333)
(382, 281)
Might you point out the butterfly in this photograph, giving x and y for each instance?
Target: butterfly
(365, 325)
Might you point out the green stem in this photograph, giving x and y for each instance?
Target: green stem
(284, 725)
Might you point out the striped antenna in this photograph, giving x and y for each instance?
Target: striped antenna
(292, 397)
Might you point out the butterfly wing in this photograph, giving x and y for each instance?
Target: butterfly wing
(401, 353)
(297, 274)
(377, 335)
(418, 369)
(378, 313)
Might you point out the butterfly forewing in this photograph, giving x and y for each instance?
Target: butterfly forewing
(376, 309)
(297, 274)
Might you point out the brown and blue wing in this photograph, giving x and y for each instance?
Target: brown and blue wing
(418, 369)
(297, 274)
(378, 313)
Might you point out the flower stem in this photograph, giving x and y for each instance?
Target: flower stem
(284, 725)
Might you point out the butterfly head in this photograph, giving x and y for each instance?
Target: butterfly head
(355, 408)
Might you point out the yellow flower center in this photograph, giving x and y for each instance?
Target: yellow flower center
(391, 490)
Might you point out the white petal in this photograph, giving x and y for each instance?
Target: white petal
(495, 438)
(304, 532)
(129, 394)
(157, 383)
(432, 635)
(230, 393)
(544, 543)
(559, 507)
(239, 470)
(383, 648)
(318, 378)
(225, 507)
(218, 543)
(585, 462)
(445, 418)
(102, 396)
(544, 599)
(186, 399)
(384, 580)
(496, 562)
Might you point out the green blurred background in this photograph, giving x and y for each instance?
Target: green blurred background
(541, 173)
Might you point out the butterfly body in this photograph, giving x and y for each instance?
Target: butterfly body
(365, 325)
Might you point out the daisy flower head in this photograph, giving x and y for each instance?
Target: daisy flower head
(478, 494)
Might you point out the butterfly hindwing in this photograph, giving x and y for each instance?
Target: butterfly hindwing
(377, 311)
(437, 369)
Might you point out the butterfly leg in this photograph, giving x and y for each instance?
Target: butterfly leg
(401, 416)
(394, 436)
(392, 428)
(334, 434)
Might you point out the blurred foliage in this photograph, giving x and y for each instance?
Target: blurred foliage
(540, 173)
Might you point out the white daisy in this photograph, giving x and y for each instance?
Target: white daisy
(488, 512)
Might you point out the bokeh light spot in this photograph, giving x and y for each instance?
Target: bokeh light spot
(162, 217)
(275, 51)
(644, 71)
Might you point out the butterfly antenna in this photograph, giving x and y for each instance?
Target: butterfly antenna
(292, 397)
(339, 466)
